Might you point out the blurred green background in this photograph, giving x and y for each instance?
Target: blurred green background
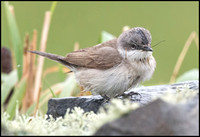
(83, 22)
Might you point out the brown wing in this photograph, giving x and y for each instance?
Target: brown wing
(102, 56)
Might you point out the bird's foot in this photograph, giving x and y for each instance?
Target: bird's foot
(134, 96)
(107, 99)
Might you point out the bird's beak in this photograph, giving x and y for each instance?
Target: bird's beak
(147, 49)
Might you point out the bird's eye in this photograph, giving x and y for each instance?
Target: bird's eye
(133, 46)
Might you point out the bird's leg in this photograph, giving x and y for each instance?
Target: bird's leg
(106, 98)
(133, 95)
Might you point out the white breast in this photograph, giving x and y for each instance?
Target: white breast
(118, 79)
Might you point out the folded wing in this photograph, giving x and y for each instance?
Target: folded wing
(102, 56)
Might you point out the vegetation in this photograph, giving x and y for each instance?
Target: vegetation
(28, 104)
(79, 122)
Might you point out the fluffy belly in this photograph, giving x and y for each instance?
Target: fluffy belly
(111, 82)
(114, 81)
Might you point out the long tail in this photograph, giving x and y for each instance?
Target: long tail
(54, 57)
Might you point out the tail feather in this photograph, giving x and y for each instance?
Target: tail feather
(54, 57)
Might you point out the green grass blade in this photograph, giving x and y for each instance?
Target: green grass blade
(43, 100)
(18, 94)
(16, 41)
(69, 86)
(105, 36)
(32, 107)
(192, 74)
(53, 6)
(60, 74)
(8, 82)
(49, 88)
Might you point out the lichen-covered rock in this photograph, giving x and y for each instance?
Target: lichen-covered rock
(58, 106)
(157, 118)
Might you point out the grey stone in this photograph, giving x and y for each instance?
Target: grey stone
(157, 118)
(149, 92)
(57, 106)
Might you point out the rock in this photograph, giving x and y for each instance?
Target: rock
(157, 118)
(149, 92)
(58, 106)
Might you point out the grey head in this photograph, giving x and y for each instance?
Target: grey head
(137, 38)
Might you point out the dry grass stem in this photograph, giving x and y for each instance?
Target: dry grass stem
(50, 70)
(40, 58)
(37, 104)
(76, 46)
(11, 8)
(25, 71)
(196, 40)
(33, 47)
(57, 88)
(31, 73)
(125, 28)
(54, 69)
(25, 58)
(29, 69)
(84, 93)
(193, 36)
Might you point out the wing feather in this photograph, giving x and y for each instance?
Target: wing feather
(102, 56)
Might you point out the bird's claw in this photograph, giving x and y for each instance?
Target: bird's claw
(133, 96)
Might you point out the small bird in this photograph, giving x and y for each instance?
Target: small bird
(113, 67)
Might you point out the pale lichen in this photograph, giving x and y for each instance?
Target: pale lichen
(76, 123)
(79, 122)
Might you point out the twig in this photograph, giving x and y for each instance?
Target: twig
(25, 55)
(25, 71)
(37, 103)
(76, 46)
(193, 36)
(28, 99)
(40, 58)
(33, 47)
